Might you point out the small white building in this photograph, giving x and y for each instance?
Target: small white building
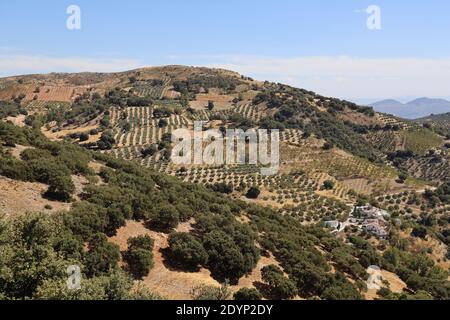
(334, 225)
(370, 212)
(376, 229)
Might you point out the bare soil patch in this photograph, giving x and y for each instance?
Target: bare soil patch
(17, 197)
(17, 121)
(17, 151)
(396, 285)
(221, 102)
(176, 284)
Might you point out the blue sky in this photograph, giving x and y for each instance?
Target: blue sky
(322, 45)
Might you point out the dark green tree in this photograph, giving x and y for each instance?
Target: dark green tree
(187, 250)
(253, 193)
(248, 294)
(102, 256)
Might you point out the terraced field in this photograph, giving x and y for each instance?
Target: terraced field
(421, 140)
(37, 105)
(306, 165)
(385, 141)
(440, 122)
(389, 120)
(249, 111)
(144, 127)
(434, 168)
(410, 205)
(295, 194)
(148, 89)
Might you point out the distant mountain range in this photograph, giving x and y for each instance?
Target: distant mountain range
(415, 109)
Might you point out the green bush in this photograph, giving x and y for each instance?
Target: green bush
(141, 242)
(419, 232)
(86, 219)
(140, 255)
(211, 293)
(247, 294)
(225, 258)
(60, 188)
(167, 218)
(280, 287)
(84, 137)
(106, 141)
(328, 185)
(16, 170)
(253, 193)
(187, 250)
(102, 256)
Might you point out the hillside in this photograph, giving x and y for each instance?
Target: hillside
(92, 152)
(439, 122)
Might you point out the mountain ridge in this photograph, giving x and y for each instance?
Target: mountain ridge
(415, 109)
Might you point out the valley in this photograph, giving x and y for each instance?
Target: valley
(109, 137)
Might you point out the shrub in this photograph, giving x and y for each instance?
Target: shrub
(162, 112)
(328, 146)
(141, 242)
(163, 123)
(248, 294)
(106, 141)
(280, 287)
(253, 193)
(340, 289)
(211, 293)
(402, 177)
(419, 232)
(15, 169)
(33, 154)
(140, 262)
(185, 212)
(140, 255)
(84, 137)
(187, 250)
(60, 188)
(167, 217)
(222, 188)
(86, 219)
(102, 256)
(225, 258)
(149, 151)
(328, 185)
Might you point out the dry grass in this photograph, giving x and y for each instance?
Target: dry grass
(97, 167)
(221, 102)
(17, 197)
(17, 151)
(17, 121)
(175, 284)
(396, 285)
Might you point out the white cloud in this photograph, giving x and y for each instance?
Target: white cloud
(348, 77)
(15, 64)
(339, 76)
